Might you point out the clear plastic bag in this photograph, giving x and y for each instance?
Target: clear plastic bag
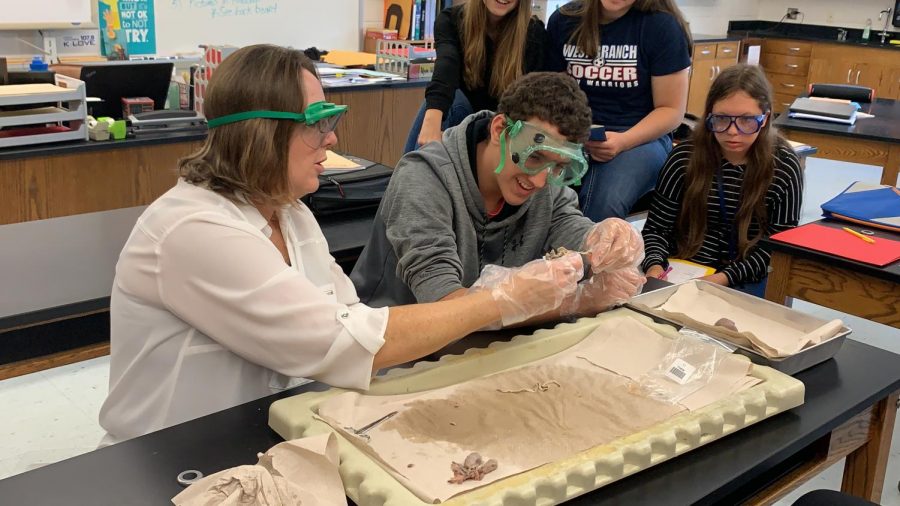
(688, 366)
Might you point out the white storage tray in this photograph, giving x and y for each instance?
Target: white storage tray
(367, 483)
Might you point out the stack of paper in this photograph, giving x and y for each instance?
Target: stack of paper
(685, 270)
(337, 164)
(836, 111)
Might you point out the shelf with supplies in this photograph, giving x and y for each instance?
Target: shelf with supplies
(412, 59)
(59, 112)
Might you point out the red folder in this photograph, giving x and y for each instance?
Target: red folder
(836, 241)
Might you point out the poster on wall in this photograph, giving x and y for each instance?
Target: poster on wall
(126, 27)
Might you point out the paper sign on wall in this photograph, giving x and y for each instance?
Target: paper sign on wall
(80, 42)
(127, 27)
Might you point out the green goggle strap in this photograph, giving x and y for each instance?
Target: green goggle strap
(511, 130)
(315, 112)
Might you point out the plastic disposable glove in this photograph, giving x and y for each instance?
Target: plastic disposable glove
(605, 289)
(613, 244)
(533, 289)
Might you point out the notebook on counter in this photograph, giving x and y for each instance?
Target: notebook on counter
(824, 110)
(838, 242)
(871, 205)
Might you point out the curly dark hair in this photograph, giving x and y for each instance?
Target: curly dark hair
(552, 97)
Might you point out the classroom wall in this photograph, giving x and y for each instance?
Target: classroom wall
(181, 25)
(372, 13)
(711, 16)
(829, 12)
(705, 16)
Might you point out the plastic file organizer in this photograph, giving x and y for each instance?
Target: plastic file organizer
(409, 59)
(212, 58)
(41, 113)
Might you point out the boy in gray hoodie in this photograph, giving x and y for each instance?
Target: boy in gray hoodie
(494, 192)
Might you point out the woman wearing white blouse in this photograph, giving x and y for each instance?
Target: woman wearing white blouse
(225, 290)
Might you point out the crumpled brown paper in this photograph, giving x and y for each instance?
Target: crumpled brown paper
(298, 472)
(757, 327)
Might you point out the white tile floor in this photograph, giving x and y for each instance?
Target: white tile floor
(52, 415)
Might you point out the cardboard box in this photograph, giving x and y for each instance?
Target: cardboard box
(370, 42)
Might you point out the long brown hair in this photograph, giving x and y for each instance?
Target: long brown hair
(510, 43)
(250, 157)
(706, 159)
(587, 35)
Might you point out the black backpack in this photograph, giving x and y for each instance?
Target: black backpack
(353, 191)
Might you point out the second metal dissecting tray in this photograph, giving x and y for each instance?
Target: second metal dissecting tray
(793, 364)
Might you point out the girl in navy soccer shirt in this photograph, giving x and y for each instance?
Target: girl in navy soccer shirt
(631, 58)
(735, 183)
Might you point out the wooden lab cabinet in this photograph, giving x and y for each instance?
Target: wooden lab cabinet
(832, 63)
(708, 61)
(890, 82)
(786, 63)
(792, 66)
(377, 121)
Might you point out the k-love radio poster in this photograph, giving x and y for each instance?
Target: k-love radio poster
(126, 27)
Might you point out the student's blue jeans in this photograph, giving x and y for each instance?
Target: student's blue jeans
(458, 112)
(610, 189)
(758, 289)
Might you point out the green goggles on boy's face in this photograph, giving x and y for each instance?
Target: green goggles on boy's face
(320, 117)
(534, 151)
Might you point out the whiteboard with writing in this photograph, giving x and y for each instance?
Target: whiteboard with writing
(46, 14)
(182, 25)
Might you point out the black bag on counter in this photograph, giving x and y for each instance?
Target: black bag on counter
(354, 191)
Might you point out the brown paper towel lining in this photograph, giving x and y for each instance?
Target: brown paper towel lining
(758, 327)
(522, 417)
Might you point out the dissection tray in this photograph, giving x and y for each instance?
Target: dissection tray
(367, 483)
(650, 302)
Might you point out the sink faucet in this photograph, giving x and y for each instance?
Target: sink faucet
(842, 34)
(886, 14)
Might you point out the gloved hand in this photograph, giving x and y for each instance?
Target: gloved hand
(613, 244)
(605, 289)
(533, 289)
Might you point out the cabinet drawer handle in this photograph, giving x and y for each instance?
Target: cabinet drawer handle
(794, 49)
(705, 51)
(792, 65)
(857, 76)
(787, 85)
(848, 74)
(726, 50)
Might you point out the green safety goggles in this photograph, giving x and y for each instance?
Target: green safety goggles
(321, 117)
(534, 151)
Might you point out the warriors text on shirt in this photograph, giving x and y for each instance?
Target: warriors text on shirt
(614, 67)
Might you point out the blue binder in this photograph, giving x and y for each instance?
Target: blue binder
(867, 204)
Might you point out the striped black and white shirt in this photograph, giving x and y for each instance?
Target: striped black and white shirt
(783, 201)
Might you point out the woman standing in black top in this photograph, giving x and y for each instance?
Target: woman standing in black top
(735, 183)
(482, 46)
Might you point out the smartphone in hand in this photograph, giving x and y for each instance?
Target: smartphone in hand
(598, 133)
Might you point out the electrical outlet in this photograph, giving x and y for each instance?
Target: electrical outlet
(792, 13)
